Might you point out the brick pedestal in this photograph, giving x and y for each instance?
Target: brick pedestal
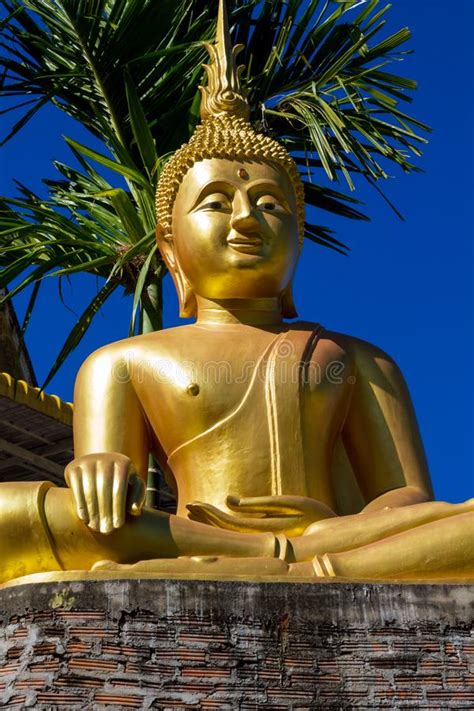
(174, 644)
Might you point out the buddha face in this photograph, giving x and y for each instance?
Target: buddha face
(235, 230)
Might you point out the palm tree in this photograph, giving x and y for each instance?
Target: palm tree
(129, 70)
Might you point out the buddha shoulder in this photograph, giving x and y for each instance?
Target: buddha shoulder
(364, 359)
(123, 361)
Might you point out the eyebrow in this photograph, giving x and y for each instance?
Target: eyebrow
(270, 185)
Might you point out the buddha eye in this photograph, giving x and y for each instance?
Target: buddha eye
(217, 202)
(269, 203)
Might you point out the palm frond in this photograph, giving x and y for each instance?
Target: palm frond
(319, 78)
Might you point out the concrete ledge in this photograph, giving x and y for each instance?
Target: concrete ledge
(178, 644)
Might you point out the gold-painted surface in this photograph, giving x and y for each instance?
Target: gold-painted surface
(26, 545)
(224, 133)
(223, 94)
(170, 574)
(35, 398)
(251, 577)
(294, 450)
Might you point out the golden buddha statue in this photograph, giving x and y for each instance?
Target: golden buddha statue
(294, 450)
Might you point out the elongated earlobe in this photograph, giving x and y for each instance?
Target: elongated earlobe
(187, 300)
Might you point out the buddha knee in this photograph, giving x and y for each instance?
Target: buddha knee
(22, 510)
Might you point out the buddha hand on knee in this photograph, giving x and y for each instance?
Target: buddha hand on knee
(105, 488)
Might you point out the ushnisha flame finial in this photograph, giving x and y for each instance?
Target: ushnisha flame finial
(223, 94)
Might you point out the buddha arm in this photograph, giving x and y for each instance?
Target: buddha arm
(107, 413)
(381, 434)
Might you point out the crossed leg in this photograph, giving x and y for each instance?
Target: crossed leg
(41, 532)
(431, 540)
(424, 541)
(436, 550)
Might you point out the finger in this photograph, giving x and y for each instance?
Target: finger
(104, 487)
(282, 505)
(136, 495)
(105, 565)
(119, 494)
(67, 473)
(90, 495)
(206, 513)
(74, 482)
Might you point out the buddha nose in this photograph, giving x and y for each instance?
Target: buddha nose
(244, 218)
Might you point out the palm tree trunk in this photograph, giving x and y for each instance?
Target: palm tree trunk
(152, 320)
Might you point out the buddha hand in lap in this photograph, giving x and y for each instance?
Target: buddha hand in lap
(283, 441)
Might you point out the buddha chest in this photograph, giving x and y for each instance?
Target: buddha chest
(246, 410)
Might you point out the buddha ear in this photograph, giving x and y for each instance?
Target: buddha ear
(166, 247)
(187, 300)
(288, 308)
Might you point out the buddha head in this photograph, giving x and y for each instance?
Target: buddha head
(230, 202)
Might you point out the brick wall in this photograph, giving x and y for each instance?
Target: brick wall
(163, 644)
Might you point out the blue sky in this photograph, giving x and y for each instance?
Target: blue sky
(406, 286)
